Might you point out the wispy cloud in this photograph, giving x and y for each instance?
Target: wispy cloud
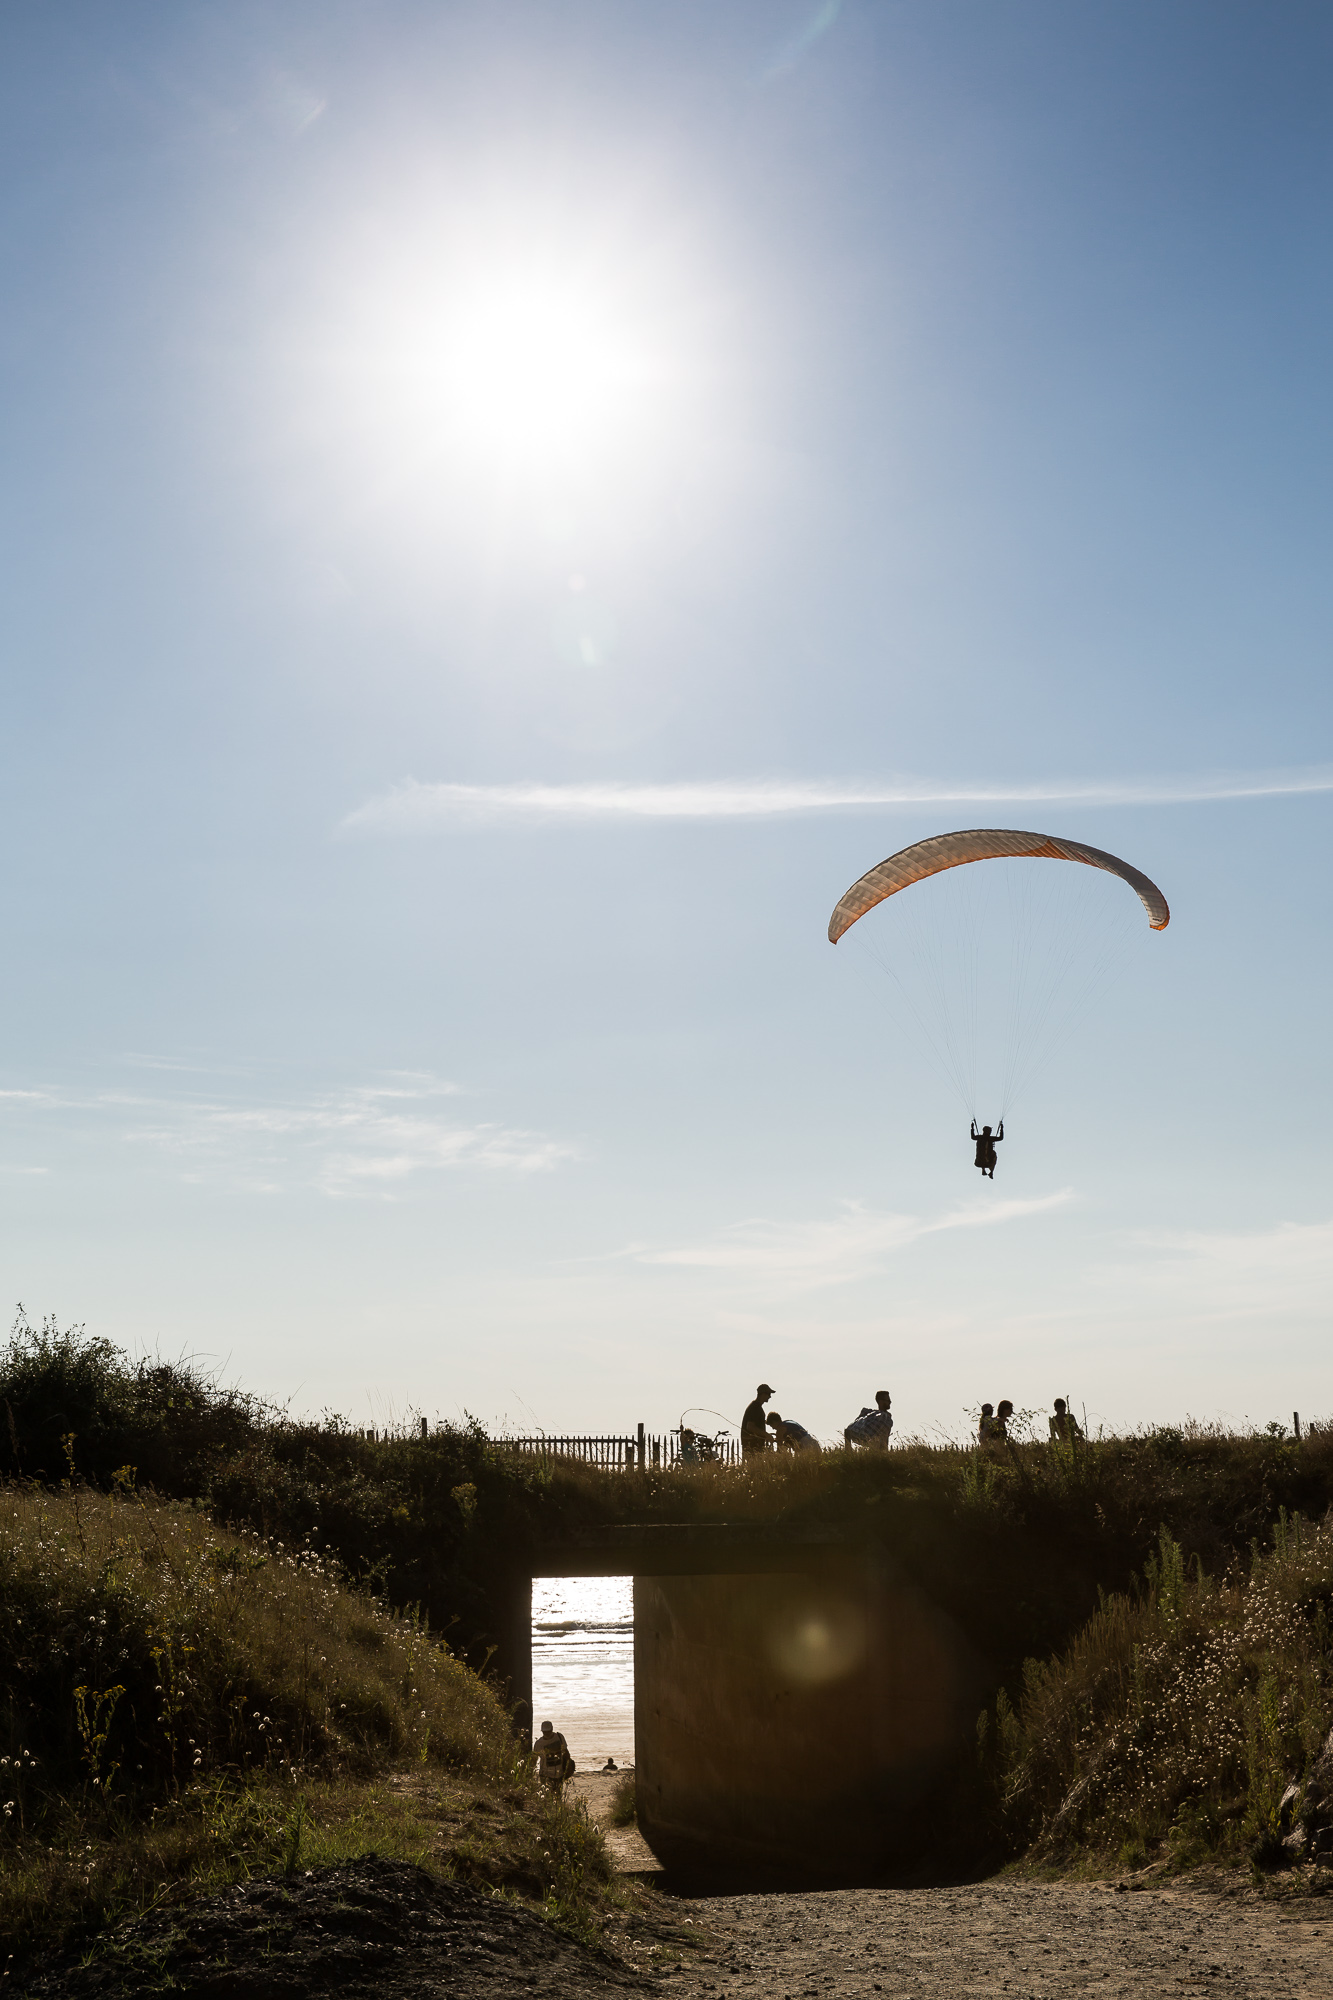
(836, 1250)
(1285, 1270)
(415, 808)
(379, 1140)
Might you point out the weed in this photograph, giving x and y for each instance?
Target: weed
(625, 1801)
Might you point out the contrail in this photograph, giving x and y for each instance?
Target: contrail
(412, 807)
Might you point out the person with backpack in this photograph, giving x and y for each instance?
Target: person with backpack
(873, 1428)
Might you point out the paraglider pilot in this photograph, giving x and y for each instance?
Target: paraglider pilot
(987, 1141)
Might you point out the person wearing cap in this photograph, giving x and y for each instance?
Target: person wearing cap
(754, 1428)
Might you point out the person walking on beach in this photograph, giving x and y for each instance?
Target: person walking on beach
(754, 1427)
(554, 1763)
(873, 1428)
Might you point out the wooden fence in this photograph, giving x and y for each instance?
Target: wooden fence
(618, 1454)
(610, 1454)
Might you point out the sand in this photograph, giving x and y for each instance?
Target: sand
(1011, 1938)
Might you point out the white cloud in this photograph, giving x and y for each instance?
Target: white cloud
(372, 1140)
(838, 1250)
(415, 808)
(1285, 1271)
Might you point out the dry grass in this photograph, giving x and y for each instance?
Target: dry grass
(1178, 1716)
(181, 1705)
(172, 1648)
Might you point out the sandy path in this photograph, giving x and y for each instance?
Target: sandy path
(1009, 1938)
(629, 1851)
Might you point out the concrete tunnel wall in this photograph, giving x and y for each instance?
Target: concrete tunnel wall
(792, 1724)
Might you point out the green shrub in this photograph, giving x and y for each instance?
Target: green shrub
(625, 1801)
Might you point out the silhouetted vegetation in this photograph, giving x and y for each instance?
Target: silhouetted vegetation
(1041, 1552)
(1184, 1718)
(1016, 1544)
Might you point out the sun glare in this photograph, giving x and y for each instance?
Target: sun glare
(536, 370)
(474, 359)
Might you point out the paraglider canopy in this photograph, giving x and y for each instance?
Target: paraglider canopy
(953, 850)
(991, 966)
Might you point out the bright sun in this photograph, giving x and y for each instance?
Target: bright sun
(472, 358)
(538, 371)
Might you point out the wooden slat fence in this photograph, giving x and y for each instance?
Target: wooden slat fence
(619, 1454)
(612, 1454)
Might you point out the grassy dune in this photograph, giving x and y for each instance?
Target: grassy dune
(184, 1705)
(1124, 1595)
(1175, 1721)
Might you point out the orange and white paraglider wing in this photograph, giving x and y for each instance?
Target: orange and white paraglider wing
(955, 850)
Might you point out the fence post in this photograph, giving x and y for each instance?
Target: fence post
(643, 1451)
(1296, 1424)
(425, 1428)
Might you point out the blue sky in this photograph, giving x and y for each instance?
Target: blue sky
(507, 510)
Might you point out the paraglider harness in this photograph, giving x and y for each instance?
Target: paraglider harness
(986, 1143)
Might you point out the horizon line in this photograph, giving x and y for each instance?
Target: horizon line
(412, 807)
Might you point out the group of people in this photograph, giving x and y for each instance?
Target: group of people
(872, 1429)
(994, 1425)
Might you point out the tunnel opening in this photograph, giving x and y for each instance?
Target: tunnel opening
(583, 1665)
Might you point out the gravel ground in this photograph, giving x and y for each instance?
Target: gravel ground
(1012, 1938)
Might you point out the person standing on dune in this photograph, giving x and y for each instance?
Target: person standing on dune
(754, 1427)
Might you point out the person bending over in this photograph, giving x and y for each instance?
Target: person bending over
(789, 1436)
(872, 1428)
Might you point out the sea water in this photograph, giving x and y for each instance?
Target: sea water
(583, 1664)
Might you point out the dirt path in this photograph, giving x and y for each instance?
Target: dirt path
(629, 1851)
(1010, 1939)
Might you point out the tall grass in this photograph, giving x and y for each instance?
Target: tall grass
(141, 1645)
(183, 1703)
(1178, 1716)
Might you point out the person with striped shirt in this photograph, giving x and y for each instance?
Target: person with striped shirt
(873, 1428)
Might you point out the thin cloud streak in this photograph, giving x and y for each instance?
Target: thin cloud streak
(415, 808)
(839, 1250)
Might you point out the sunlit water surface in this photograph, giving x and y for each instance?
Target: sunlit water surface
(583, 1664)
